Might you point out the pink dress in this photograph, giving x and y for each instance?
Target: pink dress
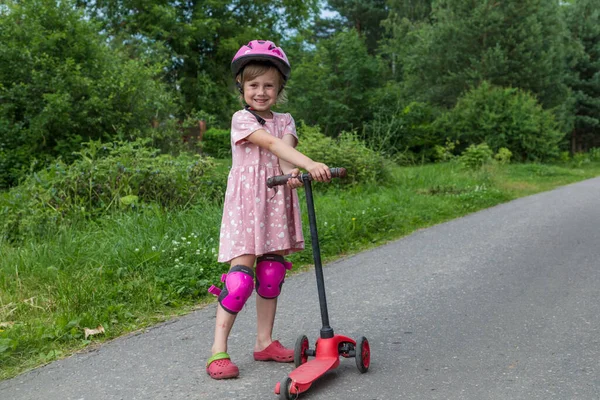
(258, 220)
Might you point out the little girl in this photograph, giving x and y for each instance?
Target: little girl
(259, 224)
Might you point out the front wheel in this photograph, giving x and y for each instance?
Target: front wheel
(285, 390)
(300, 356)
(363, 355)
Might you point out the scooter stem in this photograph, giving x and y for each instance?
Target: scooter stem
(326, 330)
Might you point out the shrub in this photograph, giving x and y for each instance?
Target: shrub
(503, 117)
(445, 153)
(348, 151)
(402, 133)
(503, 156)
(116, 176)
(61, 84)
(476, 156)
(216, 143)
(594, 154)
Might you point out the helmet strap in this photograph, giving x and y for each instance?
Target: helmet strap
(260, 119)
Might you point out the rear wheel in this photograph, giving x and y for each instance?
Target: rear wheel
(300, 356)
(363, 355)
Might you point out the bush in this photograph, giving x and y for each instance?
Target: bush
(216, 143)
(476, 156)
(594, 154)
(503, 117)
(61, 85)
(403, 134)
(503, 156)
(117, 176)
(348, 151)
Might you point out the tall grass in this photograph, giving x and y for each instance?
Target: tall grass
(128, 270)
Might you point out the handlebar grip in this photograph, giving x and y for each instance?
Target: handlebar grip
(282, 179)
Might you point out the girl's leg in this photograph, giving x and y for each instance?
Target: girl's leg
(265, 318)
(225, 320)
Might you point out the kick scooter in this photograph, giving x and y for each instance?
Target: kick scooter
(329, 347)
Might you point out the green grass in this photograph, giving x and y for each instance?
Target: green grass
(128, 271)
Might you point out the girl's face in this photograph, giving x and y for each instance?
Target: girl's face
(261, 92)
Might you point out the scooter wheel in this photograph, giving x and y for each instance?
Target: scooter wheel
(363, 355)
(285, 390)
(300, 356)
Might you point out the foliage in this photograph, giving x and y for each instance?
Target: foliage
(198, 39)
(513, 43)
(503, 155)
(364, 16)
(583, 18)
(445, 153)
(216, 143)
(347, 151)
(403, 133)
(106, 177)
(333, 87)
(476, 156)
(510, 118)
(61, 85)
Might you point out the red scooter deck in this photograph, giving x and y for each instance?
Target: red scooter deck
(313, 369)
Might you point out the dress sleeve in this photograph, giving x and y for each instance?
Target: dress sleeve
(243, 124)
(290, 127)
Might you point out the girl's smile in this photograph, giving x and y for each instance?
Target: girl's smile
(261, 92)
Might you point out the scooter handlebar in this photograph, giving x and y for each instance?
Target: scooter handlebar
(282, 179)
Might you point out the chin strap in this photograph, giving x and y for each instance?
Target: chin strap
(260, 119)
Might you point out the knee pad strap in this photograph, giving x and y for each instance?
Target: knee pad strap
(270, 275)
(239, 283)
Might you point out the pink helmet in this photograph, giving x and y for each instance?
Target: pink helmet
(261, 50)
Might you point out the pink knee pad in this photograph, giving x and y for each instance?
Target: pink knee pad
(270, 275)
(239, 283)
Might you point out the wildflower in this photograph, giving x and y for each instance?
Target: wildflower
(136, 250)
(153, 248)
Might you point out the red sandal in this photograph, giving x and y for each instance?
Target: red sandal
(275, 352)
(220, 366)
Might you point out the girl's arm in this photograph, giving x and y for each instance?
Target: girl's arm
(290, 169)
(319, 171)
(287, 167)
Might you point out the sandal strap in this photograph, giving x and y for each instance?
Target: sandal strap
(219, 356)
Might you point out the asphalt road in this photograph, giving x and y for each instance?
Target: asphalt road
(502, 304)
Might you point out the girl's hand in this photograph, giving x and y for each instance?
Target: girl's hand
(319, 172)
(294, 182)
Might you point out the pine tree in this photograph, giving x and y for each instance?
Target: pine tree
(516, 43)
(364, 16)
(583, 18)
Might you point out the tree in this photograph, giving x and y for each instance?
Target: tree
(364, 16)
(61, 85)
(199, 38)
(405, 16)
(334, 86)
(516, 43)
(583, 18)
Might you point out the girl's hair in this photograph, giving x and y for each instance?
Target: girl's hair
(256, 69)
